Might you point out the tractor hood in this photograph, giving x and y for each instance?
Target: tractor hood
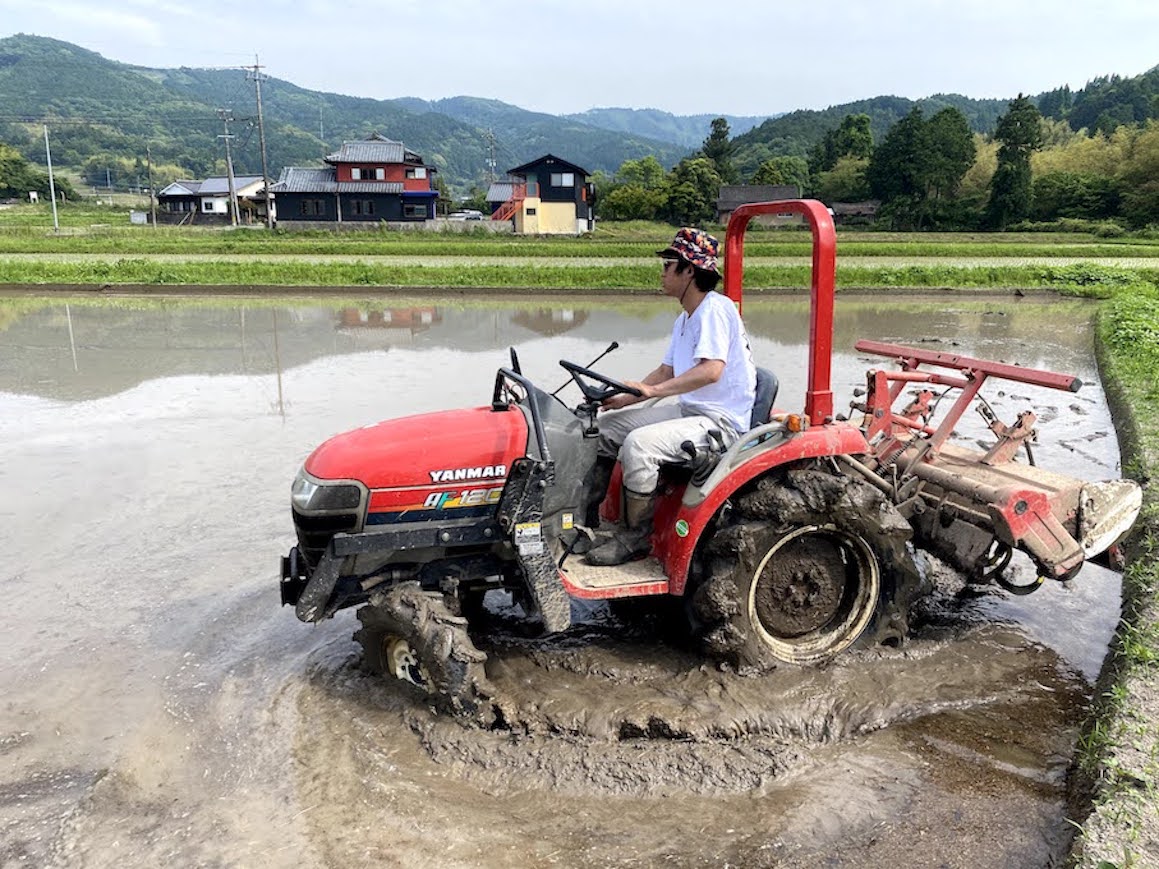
(433, 450)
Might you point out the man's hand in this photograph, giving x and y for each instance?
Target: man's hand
(624, 399)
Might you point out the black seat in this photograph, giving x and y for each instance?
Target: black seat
(767, 386)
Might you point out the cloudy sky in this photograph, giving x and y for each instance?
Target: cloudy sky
(742, 57)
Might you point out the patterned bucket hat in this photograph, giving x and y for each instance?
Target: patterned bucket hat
(694, 246)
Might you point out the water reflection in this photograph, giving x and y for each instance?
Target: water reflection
(86, 349)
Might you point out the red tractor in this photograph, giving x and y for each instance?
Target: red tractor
(792, 545)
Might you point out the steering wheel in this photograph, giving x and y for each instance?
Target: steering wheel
(607, 388)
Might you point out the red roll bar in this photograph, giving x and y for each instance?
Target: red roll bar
(818, 394)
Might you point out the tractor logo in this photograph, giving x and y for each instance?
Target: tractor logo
(455, 475)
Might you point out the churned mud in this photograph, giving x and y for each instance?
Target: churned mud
(159, 708)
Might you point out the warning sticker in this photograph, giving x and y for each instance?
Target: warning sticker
(529, 538)
(526, 532)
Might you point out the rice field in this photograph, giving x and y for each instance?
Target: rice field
(108, 252)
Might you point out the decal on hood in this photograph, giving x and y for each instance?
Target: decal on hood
(453, 475)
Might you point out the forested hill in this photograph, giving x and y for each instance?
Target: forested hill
(1099, 106)
(792, 135)
(107, 118)
(103, 114)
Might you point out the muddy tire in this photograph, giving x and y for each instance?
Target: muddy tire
(411, 635)
(810, 564)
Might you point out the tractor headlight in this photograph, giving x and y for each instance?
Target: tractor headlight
(309, 495)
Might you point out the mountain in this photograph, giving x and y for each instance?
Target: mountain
(101, 110)
(567, 136)
(688, 131)
(107, 117)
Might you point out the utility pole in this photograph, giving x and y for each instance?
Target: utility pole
(262, 139)
(491, 156)
(51, 183)
(152, 192)
(227, 116)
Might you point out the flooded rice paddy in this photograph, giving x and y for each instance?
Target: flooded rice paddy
(159, 707)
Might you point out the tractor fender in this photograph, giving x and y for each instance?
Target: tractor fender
(755, 454)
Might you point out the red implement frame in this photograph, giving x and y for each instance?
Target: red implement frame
(818, 394)
(886, 386)
(1025, 506)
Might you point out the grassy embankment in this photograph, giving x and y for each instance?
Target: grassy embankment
(106, 251)
(1119, 751)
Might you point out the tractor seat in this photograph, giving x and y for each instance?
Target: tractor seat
(767, 386)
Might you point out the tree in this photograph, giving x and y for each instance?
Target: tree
(851, 138)
(718, 149)
(897, 170)
(645, 172)
(951, 153)
(783, 170)
(1140, 178)
(18, 178)
(1073, 194)
(845, 182)
(918, 168)
(693, 187)
(1020, 133)
(633, 202)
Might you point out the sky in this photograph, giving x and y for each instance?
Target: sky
(736, 57)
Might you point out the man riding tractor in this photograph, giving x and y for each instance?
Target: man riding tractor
(708, 367)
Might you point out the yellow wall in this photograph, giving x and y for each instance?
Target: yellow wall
(549, 218)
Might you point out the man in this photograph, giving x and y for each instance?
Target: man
(708, 368)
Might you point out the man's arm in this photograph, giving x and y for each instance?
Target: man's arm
(661, 384)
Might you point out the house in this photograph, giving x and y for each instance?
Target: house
(855, 213)
(207, 201)
(733, 195)
(369, 181)
(546, 196)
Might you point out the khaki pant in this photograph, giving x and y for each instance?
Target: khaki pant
(647, 437)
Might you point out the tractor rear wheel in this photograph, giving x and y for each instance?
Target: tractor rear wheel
(411, 635)
(811, 564)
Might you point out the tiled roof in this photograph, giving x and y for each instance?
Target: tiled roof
(375, 149)
(732, 195)
(297, 179)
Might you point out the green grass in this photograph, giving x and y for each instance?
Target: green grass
(1119, 749)
(554, 274)
(88, 228)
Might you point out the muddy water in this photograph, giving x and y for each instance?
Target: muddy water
(159, 707)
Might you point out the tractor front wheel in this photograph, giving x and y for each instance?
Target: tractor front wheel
(411, 635)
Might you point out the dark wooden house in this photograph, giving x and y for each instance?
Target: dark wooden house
(546, 196)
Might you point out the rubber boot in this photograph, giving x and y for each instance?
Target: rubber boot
(595, 490)
(632, 542)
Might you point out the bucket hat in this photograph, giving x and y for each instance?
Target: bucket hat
(696, 247)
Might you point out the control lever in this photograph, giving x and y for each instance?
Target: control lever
(702, 463)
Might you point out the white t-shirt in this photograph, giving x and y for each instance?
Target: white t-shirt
(715, 331)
